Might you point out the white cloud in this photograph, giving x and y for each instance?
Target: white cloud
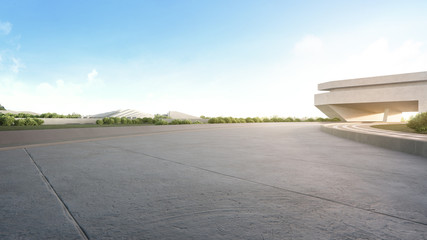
(379, 58)
(61, 96)
(45, 88)
(309, 45)
(92, 79)
(5, 27)
(16, 65)
(92, 75)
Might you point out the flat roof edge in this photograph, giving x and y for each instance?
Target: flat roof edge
(377, 80)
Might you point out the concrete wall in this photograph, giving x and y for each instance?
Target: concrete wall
(406, 145)
(374, 99)
(60, 121)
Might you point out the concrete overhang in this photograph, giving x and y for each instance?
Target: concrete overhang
(372, 81)
(381, 98)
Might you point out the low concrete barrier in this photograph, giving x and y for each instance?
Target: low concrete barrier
(411, 146)
(60, 121)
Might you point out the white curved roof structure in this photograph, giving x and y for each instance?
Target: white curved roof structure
(128, 113)
(382, 98)
(180, 115)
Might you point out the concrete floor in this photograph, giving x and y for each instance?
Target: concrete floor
(244, 181)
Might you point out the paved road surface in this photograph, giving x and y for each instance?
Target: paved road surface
(245, 181)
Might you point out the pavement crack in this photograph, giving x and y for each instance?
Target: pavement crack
(64, 206)
(268, 185)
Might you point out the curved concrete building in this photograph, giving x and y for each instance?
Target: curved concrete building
(180, 115)
(128, 113)
(382, 98)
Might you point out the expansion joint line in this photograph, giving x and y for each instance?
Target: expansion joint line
(64, 206)
(269, 185)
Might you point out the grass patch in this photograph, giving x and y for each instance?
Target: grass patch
(65, 126)
(395, 127)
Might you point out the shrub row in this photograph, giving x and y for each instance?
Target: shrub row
(55, 115)
(6, 120)
(273, 119)
(419, 123)
(124, 120)
(184, 121)
(43, 115)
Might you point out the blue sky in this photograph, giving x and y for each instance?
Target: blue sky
(229, 58)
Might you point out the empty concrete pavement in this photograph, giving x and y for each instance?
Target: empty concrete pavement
(246, 181)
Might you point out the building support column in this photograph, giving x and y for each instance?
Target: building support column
(422, 106)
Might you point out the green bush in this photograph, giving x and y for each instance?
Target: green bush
(6, 120)
(117, 120)
(241, 120)
(175, 122)
(99, 122)
(160, 122)
(23, 115)
(30, 122)
(249, 120)
(257, 119)
(147, 120)
(419, 123)
(228, 120)
(124, 120)
(51, 115)
(289, 119)
(108, 120)
(19, 122)
(178, 121)
(197, 122)
(74, 115)
(213, 120)
(39, 121)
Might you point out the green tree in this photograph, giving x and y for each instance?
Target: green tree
(124, 120)
(419, 123)
(6, 120)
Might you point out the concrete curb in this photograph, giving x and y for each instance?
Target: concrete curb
(410, 146)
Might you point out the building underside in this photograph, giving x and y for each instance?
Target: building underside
(382, 98)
